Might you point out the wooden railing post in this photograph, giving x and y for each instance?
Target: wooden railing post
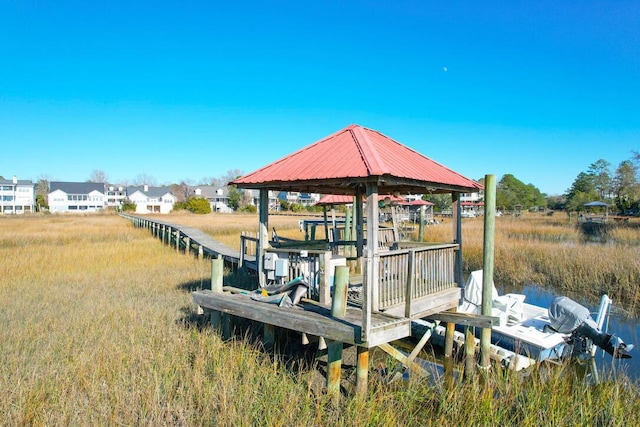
(410, 283)
(324, 259)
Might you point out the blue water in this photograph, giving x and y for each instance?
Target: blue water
(618, 324)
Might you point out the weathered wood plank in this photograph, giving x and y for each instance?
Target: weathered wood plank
(427, 305)
(310, 318)
(465, 319)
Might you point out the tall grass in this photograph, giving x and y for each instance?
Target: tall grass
(97, 327)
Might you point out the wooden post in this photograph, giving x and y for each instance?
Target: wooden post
(372, 259)
(469, 351)
(362, 370)
(268, 335)
(217, 271)
(178, 241)
(326, 223)
(263, 235)
(334, 367)
(410, 281)
(338, 310)
(457, 232)
(348, 250)
(324, 261)
(421, 226)
(341, 283)
(359, 221)
(200, 252)
(487, 265)
(187, 247)
(448, 337)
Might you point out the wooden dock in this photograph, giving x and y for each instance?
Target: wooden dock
(411, 283)
(189, 239)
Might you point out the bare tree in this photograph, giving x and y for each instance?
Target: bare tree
(98, 176)
(42, 187)
(145, 179)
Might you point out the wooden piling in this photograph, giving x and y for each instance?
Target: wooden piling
(469, 351)
(362, 370)
(487, 265)
(217, 274)
(338, 310)
(448, 336)
(341, 283)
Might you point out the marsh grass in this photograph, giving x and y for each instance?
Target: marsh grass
(97, 327)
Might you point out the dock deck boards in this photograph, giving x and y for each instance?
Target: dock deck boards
(308, 317)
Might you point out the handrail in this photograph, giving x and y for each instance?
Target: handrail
(408, 274)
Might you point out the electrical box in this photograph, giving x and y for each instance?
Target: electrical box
(270, 260)
(282, 267)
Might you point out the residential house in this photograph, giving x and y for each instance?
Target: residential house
(218, 198)
(76, 196)
(151, 199)
(115, 195)
(17, 196)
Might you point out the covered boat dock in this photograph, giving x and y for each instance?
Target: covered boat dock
(410, 281)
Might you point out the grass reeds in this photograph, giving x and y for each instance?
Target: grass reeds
(97, 327)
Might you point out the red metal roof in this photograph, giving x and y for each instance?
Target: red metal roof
(420, 202)
(355, 154)
(340, 199)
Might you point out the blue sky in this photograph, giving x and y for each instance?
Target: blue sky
(187, 90)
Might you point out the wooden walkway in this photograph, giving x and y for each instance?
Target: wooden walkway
(190, 239)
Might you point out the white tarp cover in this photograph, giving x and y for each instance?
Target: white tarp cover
(507, 307)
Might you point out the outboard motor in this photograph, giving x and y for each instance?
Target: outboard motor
(569, 317)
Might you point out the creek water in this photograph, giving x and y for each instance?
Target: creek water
(618, 323)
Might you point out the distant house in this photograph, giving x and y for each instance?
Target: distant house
(218, 198)
(115, 195)
(17, 196)
(151, 199)
(76, 196)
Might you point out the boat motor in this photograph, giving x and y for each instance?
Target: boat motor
(568, 317)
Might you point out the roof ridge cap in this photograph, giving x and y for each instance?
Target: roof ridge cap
(372, 161)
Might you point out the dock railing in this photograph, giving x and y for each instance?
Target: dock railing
(407, 274)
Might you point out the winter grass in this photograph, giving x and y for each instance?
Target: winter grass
(98, 328)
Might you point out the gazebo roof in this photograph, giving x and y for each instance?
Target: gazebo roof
(341, 199)
(352, 157)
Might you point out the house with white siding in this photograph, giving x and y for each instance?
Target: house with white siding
(151, 199)
(76, 197)
(17, 196)
(217, 197)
